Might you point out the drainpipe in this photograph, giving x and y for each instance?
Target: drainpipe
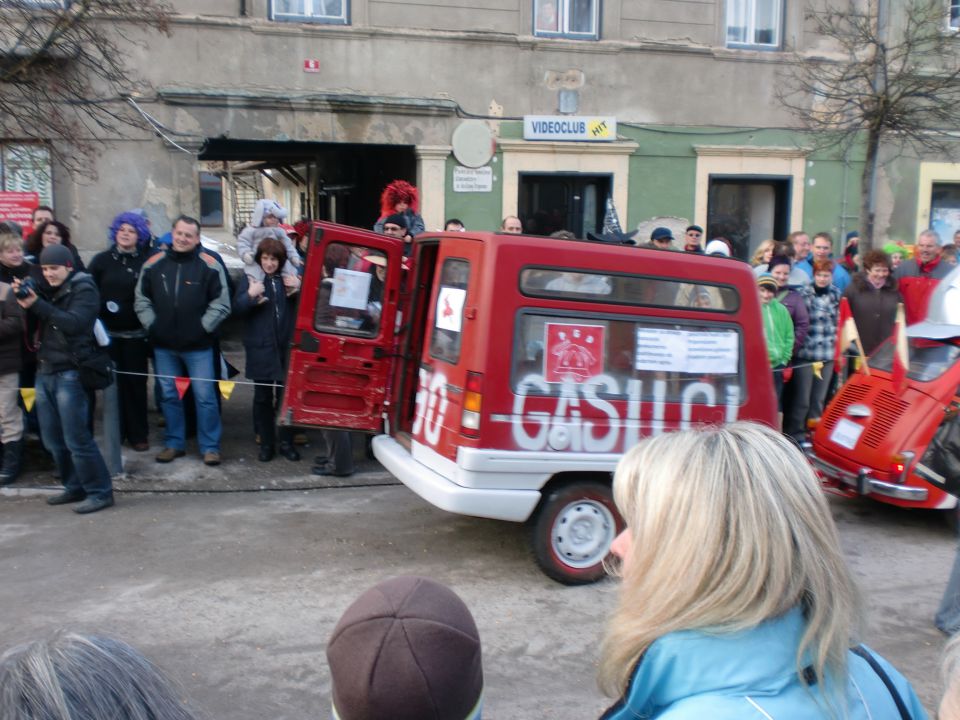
(243, 8)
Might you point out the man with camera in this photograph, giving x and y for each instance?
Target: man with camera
(66, 319)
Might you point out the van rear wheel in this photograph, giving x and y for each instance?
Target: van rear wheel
(573, 531)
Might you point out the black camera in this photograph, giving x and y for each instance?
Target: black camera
(27, 285)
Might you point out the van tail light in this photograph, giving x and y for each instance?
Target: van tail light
(900, 465)
(472, 403)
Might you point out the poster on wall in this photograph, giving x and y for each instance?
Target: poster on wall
(573, 351)
(18, 206)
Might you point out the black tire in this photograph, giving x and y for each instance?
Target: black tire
(572, 532)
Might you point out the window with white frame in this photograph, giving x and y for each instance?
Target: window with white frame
(955, 14)
(566, 18)
(320, 11)
(754, 23)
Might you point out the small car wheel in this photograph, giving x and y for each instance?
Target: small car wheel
(573, 530)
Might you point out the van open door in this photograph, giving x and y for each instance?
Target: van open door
(343, 348)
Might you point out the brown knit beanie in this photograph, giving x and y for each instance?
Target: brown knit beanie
(406, 649)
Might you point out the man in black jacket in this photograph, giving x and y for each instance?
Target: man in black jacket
(181, 298)
(66, 319)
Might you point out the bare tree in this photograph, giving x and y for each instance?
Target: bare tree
(886, 82)
(64, 74)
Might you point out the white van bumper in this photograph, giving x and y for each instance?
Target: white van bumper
(498, 504)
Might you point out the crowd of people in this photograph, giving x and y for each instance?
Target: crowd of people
(765, 620)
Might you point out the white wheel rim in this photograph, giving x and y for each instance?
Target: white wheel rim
(582, 533)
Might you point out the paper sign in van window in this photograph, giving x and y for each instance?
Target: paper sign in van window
(685, 351)
(450, 308)
(351, 289)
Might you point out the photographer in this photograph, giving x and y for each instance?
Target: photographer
(66, 334)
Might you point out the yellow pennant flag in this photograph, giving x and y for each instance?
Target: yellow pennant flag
(28, 395)
(817, 368)
(226, 388)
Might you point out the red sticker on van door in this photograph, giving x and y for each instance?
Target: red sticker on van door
(572, 352)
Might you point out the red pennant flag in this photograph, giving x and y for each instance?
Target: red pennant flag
(846, 333)
(182, 384)
(901, 353)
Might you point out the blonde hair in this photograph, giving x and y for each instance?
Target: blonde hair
(10, 240)
(757, 258)
(950, 674)
(729, 528)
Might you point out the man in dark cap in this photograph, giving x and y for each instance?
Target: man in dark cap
(692, 238)
(661, 238)
(67, 316)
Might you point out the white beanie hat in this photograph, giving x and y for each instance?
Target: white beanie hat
(267, 207)
(717, 247)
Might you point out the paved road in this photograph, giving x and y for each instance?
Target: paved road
(236, 593)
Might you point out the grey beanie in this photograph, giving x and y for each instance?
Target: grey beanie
(406, 649)
(56, 255)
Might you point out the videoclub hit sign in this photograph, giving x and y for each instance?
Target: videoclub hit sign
(570, 128)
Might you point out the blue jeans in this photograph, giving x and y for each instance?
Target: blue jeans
(199, 366)
(62, 412)
(948, 614)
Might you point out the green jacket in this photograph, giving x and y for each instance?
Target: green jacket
(778, 331)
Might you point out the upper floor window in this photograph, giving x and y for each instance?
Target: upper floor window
(321, 11)
(754, 23)
(566, 18)
(955, 14)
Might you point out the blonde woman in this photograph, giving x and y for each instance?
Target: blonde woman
(736, 602)
(950, 703)
(763, 254)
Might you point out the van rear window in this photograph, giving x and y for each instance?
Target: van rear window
(642, 290)
(350, 295)
(445, 338)
(639, 359)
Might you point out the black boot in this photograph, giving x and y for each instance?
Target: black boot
(12, 457)
(289, 452)
(266, 453)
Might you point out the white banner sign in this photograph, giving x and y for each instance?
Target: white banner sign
(684, 351)
(472, 179)
(569, 127)
(351, 289)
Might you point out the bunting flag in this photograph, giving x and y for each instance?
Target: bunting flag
(818, 370)
(182, 384)
(901, 353)
(28, 395)
(226, 388)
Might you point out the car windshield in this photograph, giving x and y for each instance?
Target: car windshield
(929, 359)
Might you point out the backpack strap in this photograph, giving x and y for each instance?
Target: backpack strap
(891, 688)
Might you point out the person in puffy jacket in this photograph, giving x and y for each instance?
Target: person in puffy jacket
(181, 298)
(760, 621)
(269, 313)
(777, 330)
(67, 313)
(265, 222)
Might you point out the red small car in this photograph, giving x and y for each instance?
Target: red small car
(873, 438)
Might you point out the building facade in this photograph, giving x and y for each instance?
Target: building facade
(320, 103)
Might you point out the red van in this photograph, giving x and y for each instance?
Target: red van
(505, 375)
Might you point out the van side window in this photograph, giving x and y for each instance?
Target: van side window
(350, 295)
(642, 359)
(448, 315)
(628, 289)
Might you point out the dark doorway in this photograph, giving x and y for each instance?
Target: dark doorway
(334, 181)
(945, 210)
(748, 210)
(563, 201)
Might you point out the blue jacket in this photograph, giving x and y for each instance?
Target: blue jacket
(749, 675)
